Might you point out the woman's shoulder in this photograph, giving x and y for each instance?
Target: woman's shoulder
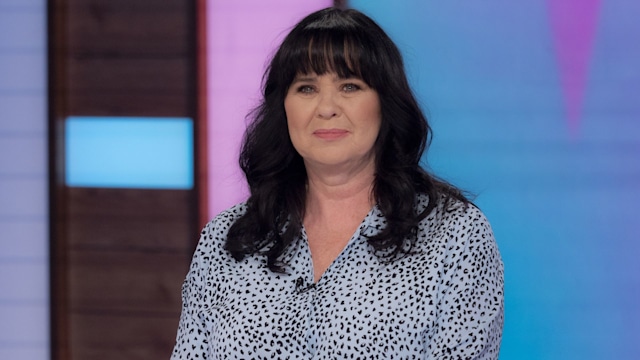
(445, 203)
(229, 215)
(459, 229)
(214, 233)
(452, 213)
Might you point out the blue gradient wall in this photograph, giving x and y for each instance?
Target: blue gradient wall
(552, 152)
(24, 288)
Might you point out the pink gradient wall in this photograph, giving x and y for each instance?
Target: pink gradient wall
(241, 36)
(573, 23)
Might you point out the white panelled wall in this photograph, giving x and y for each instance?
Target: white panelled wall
(24, 269)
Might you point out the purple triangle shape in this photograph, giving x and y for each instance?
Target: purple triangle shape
(573, 25)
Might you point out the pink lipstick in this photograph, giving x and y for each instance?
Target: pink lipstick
(330, 134)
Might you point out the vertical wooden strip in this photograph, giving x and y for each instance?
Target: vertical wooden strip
(201, 138)
(57, 49)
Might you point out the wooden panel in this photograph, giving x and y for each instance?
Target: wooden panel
(133, 32)
(123, 233)
(128, 252)
(130, 58)
(155, 76)
(125, 282)
(132, 219)
(129, 87)
(123, 103)
(119, 255)
(126, 336)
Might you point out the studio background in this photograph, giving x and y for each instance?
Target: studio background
(535, 108)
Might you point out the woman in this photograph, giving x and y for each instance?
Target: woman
(346, 247)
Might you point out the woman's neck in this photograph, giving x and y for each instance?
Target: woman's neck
(331, 196)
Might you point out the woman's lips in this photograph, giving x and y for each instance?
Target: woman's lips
(330, 134)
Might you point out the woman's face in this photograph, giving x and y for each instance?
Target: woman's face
(332, 121)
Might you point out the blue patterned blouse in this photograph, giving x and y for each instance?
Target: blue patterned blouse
(444, 301)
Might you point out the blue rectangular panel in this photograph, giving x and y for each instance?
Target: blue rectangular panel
(128, 152)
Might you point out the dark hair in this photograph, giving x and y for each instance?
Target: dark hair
(350, 44)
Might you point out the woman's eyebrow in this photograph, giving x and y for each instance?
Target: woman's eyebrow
(305, 78)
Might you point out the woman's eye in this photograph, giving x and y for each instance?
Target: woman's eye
(305, 89)
(350, 87)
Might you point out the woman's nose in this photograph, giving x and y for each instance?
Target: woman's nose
(327, 106)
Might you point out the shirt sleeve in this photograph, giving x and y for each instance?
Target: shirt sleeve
(191, 339)
(471, 307)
